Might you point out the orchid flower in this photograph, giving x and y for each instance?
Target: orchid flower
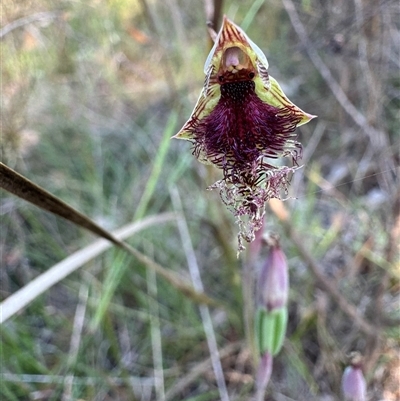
(241, 120)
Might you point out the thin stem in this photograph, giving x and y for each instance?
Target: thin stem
(248, 305)
(198, 286)
(76, 337)
(155, 335)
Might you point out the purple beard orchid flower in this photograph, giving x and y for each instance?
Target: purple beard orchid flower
(241, 120)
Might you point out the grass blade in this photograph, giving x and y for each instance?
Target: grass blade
(21, 298)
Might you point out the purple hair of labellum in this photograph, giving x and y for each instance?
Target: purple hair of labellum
(242, 120)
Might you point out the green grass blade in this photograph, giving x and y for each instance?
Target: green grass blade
(248, 19)
(157, 167)
(114, 275)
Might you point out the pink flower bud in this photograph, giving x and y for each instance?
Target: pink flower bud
(353, 383)
(264, 372)
(274, 280)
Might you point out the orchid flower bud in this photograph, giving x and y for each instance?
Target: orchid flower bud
(273, 285)
(353, 382)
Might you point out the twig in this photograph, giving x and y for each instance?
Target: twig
(20, 186)
(336, 89)
(213, 9)
(42, 16)
(155, 335)
(325, 285)
(135, 381)
(21, 298)
(75, 340)
(198, 285)
(377, 137)
(321, 281)
(198, 370)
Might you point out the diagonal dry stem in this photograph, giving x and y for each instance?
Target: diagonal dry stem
(198, 370)
(377, 137)
(20, 186)
(321, 281)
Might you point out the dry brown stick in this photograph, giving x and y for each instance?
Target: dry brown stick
(20, 186)
(213, 9)
(321, 281)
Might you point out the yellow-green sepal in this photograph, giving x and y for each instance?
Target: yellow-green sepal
(274, 96)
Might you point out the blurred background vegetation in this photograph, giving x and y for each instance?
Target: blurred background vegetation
(91, 91)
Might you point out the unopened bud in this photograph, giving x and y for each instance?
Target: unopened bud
(274, 280)
(353, 382)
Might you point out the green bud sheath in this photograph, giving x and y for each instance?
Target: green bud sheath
(270, 329)
(281, 318)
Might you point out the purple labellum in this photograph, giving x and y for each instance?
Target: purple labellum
(242, 120)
